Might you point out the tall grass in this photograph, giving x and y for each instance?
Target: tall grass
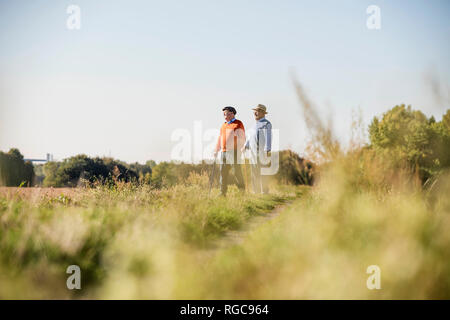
(321, 247)
(360, 213)
(117, 235)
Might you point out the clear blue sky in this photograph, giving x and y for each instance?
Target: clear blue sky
(138, 70)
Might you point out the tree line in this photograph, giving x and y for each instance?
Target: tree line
(401, 137)
(82, 170)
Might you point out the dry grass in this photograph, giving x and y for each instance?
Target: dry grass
(38, 193)
(118, 236)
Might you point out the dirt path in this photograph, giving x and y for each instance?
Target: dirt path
(236, 237)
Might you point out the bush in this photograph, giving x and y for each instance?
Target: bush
(405, 136)
(294, 170)
(14, 171)
(74, 170)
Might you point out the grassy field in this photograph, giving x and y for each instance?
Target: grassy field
(321, 246)
(38, 193)
(134, 242)
(127, 240)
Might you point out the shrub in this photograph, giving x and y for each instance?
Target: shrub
(294, 170)
(74, 170)
(14, 171)
(404, 136)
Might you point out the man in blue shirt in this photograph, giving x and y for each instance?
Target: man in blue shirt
(259, 143)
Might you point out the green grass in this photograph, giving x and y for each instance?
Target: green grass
(125, 230)
(142, 243)
(321, 246)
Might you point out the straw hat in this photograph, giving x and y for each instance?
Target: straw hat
(261, 107)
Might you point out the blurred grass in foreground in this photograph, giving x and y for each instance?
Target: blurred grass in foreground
(140, 243)
(321, 247)
(118, 236)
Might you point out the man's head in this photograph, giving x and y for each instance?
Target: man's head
(229, 113)
(259, 112)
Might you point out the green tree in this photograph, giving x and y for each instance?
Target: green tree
(142, 170)
(51, 178)
(163, 174)
(404, 136)
(150, 163)
(446, 120)
(77, 169)
(14, 171)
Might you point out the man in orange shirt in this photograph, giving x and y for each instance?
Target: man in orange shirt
(230, 142)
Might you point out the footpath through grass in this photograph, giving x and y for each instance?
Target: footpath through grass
(120, 237)
(140, 243)
(322, 245)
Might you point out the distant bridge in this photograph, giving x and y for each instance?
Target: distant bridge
(49, 158)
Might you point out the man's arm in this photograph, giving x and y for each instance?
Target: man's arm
(268, 146)
(246, 144)
(240, 136)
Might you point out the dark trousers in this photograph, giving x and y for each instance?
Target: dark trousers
(225, 173)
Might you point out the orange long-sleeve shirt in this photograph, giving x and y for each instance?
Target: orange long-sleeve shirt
(232, 136)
